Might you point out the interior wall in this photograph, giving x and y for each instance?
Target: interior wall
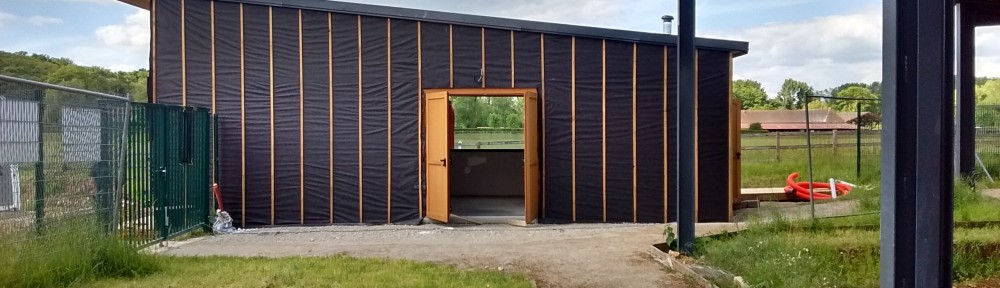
(325, 131)
(487, 173)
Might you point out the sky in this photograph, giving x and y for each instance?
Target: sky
(822, 42)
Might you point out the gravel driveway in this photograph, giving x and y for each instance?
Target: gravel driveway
(579, 255)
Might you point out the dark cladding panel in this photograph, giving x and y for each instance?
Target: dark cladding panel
(405, 97)
(288, 192)
(317, 125)
(375, 119)
(434, 55)
(589, 129)
(558, 138)
(467, 56)
(168, 52)
(713, 136)
(198, 53)
(528, 61)
(345, 119)
(228, 107)
(649, 133)
(258, 115)
(618, 112)
(498, 62)
(672, 134)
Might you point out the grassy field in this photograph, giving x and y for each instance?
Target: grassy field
(846, 138)
(821, 254)
(469, 140)
(762, 169)
(336, 271)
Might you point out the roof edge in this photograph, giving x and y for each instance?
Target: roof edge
(738, 47)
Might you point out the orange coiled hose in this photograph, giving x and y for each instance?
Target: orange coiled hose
(801, 189)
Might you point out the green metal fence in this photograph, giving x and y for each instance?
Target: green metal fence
(168, 175)
(83, 165)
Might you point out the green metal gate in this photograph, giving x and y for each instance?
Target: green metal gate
(168, 172)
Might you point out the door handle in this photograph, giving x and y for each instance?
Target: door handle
(444, 162)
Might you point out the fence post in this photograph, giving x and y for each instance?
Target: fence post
(40, 165)
(857, 129)
(834, 141)
(777, 145)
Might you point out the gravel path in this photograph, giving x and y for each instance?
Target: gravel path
(579, 255)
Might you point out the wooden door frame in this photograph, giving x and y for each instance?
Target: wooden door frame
(479, 92)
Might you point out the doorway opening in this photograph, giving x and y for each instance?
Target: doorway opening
(482, 155)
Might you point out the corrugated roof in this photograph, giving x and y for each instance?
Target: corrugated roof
(737, 47)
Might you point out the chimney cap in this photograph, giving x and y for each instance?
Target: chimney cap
(667, 18)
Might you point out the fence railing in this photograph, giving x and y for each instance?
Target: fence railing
(84, 165)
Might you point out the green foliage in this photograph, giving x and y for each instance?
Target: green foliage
(495, 112)
(859, 92)
(988, 93)
(793, 94)
(62, 71)
(756, 126)
(752, 94)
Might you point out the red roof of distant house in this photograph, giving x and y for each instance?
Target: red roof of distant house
(819, 119)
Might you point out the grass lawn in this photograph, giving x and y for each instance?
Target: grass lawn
(335, 271)
(761, 169)
(826, 254)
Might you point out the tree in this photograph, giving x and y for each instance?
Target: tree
(752, 95)
(793, 94)
(988, 93)
(857, 92)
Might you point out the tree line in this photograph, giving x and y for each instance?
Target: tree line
(62, 71)
(792, 95)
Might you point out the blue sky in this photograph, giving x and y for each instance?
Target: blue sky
(822, 42)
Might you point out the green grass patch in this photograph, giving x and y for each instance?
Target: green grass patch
(762, 168)
(844, 251)
(67, 253)
(334, 271)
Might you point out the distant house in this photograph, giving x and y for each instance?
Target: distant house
(795, 120)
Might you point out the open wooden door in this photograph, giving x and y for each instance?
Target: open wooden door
(438, 206)
(531, 169)
(735, 106)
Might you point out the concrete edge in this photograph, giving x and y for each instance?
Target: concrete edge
(671, 262)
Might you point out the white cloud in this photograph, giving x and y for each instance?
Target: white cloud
(131, 35)
(42, 20)
(6, 18)
(988, 51)
(824, 52)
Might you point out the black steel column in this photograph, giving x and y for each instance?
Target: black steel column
(965, 136)
(917, 179)
(686, 127)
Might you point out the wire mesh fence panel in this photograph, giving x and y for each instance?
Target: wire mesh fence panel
(78, 168)
(60, 168)
(988, 141)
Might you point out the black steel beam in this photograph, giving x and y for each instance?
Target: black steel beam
(917, 179)
(965, 136)
(686, 81)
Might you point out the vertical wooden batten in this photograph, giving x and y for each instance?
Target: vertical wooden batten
(270, 51)
(573, 119)
(243, 125)
(212, 31)
(388, 53)
(361, 182)
(183, 57)
(302, 135)
(604, 130)
(329, 66)
(420, 123)
(152, 45)
(512, 59)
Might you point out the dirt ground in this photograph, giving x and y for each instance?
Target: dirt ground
(579, 255)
